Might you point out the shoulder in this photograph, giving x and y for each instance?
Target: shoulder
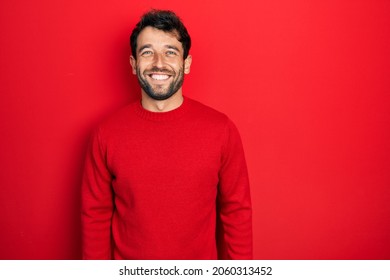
(212, 121)
(117, 123)
(201, 111)
(121, 117)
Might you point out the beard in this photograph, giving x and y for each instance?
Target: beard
(158, 92)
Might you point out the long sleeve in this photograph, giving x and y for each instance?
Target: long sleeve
(97, 203)
(152, 181)
(234, 233)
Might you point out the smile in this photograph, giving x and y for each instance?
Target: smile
(159, 77)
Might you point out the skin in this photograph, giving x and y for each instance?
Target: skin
(160, 65)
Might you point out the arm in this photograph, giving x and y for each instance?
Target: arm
(97, 203)
(234, 232)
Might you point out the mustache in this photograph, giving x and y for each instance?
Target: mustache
(156, 69)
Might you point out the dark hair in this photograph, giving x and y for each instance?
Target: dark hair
(163, 20)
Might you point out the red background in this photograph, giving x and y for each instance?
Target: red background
(306, 82)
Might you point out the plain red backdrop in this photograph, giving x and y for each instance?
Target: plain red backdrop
(306, 82)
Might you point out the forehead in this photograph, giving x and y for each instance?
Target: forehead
(157, 38)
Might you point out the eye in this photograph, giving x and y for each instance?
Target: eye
(146, 53)
(171, 53)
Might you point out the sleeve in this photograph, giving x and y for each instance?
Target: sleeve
(234, 211)
(96, 203)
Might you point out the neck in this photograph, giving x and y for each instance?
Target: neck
(161, 106)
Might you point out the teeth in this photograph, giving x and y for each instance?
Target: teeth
(159, 77)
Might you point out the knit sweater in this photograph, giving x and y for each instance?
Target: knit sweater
(169, 185)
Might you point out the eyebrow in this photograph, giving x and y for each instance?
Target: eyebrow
(144, 47)
(150, 46)
(172, 47)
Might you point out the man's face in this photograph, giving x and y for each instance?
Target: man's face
(159, 64)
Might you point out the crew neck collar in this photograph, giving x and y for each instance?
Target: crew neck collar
(161, 116)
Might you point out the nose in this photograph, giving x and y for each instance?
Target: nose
(158, 60)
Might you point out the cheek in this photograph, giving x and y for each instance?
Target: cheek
(141, 68)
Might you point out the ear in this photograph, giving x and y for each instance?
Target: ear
(133, 64)
(187, 64)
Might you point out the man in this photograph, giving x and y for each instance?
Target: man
(165, 178)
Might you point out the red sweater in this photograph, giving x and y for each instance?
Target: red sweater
(170, 185)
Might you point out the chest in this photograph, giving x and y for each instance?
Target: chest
(165, 160)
